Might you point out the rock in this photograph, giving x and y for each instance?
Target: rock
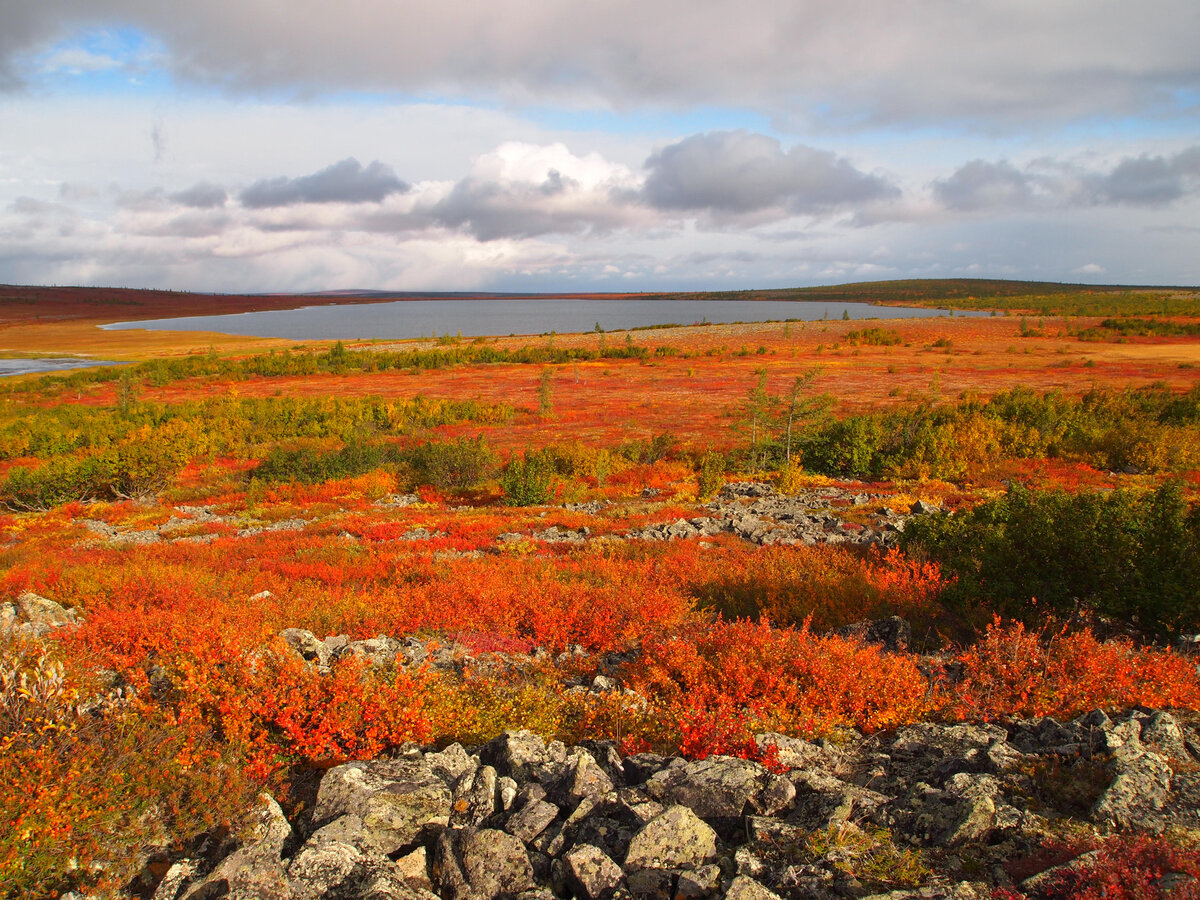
(1161, 734)
(37, 615)
(306, 645)
(744, 888)
(520, 755)
(254, 871)
(698, 884)
(451, 764)
(8, 617)
(376, 651)
(506, 793)
(642, 766)
(719, 787)
(396, 799)
(583, 779)
(1139, 789)
(322, 867)
(531, 820)
(178, 875)
(480, 864)
(674, 840)
(414, 869)
(893, 634)
(823, 800)
(474, 798)
(590, 873)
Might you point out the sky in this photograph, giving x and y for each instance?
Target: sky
(580, 145)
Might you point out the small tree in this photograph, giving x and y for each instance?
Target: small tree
(546, 394)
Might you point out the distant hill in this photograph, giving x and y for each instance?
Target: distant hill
(32, 304)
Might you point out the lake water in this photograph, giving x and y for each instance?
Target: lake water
(48, 364)
(503, 316)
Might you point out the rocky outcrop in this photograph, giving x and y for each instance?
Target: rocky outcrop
(520, 818)
(755, 512)
(31, 615)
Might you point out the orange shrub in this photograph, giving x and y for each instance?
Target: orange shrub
(1014, 672)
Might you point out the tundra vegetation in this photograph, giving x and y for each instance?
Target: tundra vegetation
(227, 570)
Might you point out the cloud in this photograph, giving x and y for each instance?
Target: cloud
(856, 61)
(1144, 180)
(343, 182)
(202, 195)
(525, 190)
(985, 185)
(735, 172)
(1151, 180)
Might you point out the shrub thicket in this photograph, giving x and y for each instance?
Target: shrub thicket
(1116, 555)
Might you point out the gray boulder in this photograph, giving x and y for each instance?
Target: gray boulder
(254, 871)
(531, 820)
(1139, 790)
(677, 839)
(590, 873)
(719, 787)
(306, 645)
(474, 797)
(521, 755)
(396, 799)
(480, 864)
(746, 888)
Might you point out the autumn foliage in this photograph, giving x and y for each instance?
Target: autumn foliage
(197, 509)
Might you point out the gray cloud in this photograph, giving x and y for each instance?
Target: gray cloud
(1151, 180)
(1143, 180)
(856, 61)
(735, 172)
(343, 182)
(202, 196)
(985, 185)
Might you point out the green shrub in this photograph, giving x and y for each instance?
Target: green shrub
(460, 464)
(1116, 555)
(527, 479)
(710, 474)
(311, 465)
(55, 482)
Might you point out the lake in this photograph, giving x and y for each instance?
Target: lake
(503, 315)
(49, 364)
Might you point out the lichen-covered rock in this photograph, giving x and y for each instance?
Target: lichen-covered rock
(583, 779)
(520, 755)
(396, 799)
(719, 787)
(531, 820)
(746, 888)
(480, 864)
(474, 797)
(256, 868)
(677, 839)
(452, 763)
(590, 873)
(306, 645)
(1139, 789)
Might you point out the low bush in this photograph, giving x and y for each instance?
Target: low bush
(312, 465)
(527, 479)
(457, 465)
(1028, 554)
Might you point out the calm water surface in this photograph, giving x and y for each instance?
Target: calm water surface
(502, 316)
(31, 366)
